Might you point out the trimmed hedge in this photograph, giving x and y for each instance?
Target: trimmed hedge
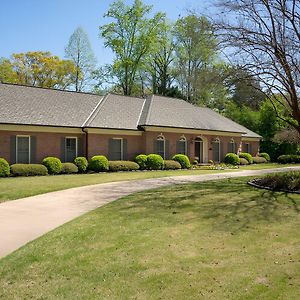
(172, 165)
(53, 164)
(265, 155)
(28, 170)
(231, 159)
(69, 168)
(244, 161)
(259, 160)
(123, 165)
(141, 160)
(246, 156)
(4, 168)
(81, 163)
(183, 160)
(99, 163)
(155, 162)
(288, 159)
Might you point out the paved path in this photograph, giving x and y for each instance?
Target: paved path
(23, 220)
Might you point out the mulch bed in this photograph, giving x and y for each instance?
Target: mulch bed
(258, 184)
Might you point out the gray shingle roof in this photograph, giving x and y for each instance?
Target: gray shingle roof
(118, 112)
(38, 106)
(170, 112)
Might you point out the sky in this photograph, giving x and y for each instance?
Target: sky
(46, 25)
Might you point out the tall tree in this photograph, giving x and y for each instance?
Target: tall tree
(80, 52)
(266, 38)
(196, 58)
(38, 68)
(131, 36)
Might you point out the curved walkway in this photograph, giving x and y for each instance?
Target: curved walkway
(23, 220)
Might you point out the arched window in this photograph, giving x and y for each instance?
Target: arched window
(216, 150)
(161, 145)
(231, 146)
(182, 146)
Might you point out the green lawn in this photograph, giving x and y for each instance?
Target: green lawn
(19, 187)
(210, 240)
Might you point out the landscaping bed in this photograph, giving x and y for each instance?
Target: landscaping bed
(285, 182)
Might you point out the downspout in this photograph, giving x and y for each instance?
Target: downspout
(86, 151)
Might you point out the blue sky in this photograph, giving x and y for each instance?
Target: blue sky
(32, 25)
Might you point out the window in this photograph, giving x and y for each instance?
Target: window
(216, 149)
(199, 149)
(231, 146)
(160, 146)
(23, 149)
(182, 149)
(70, 149)
(247, 148)
(116, 149)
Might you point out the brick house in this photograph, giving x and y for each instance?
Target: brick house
(36, 123)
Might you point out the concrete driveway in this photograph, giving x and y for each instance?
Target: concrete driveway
(23, 220)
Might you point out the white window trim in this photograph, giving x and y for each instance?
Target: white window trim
(183, 138)
(217, 141)
(29, 147)
(162, 138)
(233, 142)
(122, 140)
(76, 145)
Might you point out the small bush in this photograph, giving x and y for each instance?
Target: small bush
(81, 163)
(172, 165)
(155, 162)
(259, 160)
(53, 164)
(246, 156)
(195, 162)
(141, 160)
(231, 159)
(288, 159)
(4, 168)
(183, 160)
(123, 165)
(266, 156)
(288, 181)
(28, 170)
(99, 163)
(69, 168)
(243, 161)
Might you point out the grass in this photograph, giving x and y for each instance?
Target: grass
(210, 240)
(18, 187)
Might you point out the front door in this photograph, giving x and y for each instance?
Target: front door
(199, 151)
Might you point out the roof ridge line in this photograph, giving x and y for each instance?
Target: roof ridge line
(92, 114)
(141, 112)
(149, 109)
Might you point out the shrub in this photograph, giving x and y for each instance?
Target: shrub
(4, 168)
(183, 160)
(99, 163)
(243, 161)
(265, 155)
(28, 170)
(195, 162)
(155, 162)
(172, 165)
(288, 159)
(123, 165)
(259, 160)
(288, 181)
(246, 156)
(69, 168)
(231, 159)
(81, 163)
(141, 160)
(53, 164)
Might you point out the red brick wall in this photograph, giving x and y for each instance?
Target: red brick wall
(47, 144)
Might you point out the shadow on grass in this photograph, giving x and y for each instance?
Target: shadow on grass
(229, 205)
